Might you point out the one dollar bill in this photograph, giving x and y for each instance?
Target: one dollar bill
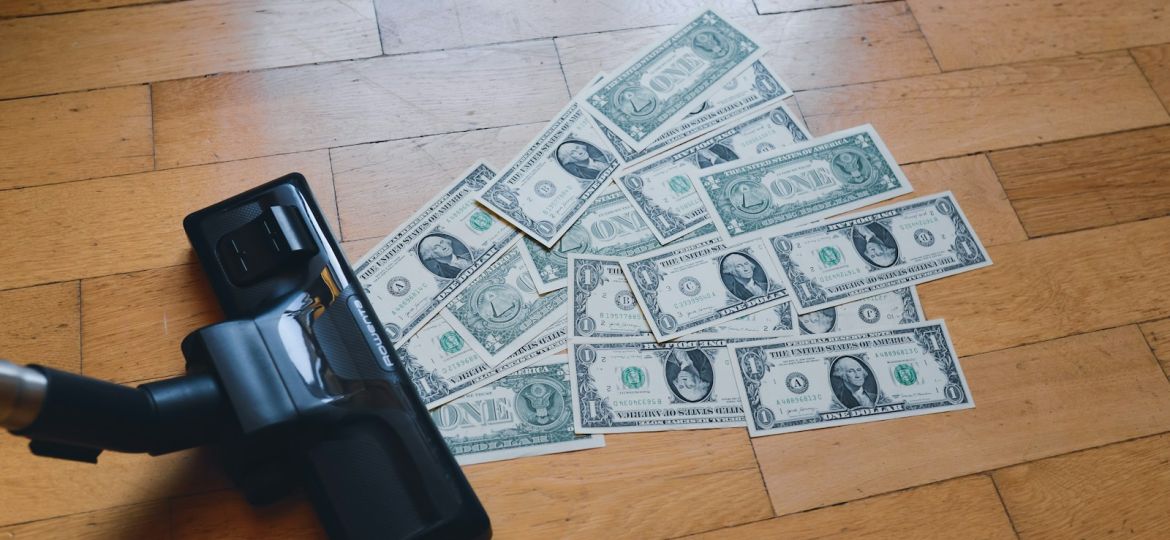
(639, 101)
(819, 178)
(549, 185)
(815, 382)
(444, 367)
(420, 266)
(662, 190)
(646, 386)
(686, 287)
(886, 248)
(527, 413)
(500, 310)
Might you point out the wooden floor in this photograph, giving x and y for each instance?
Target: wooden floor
(1047, 118)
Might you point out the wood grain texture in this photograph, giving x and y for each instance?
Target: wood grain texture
(810, 49)
(1155, 64)
(444, 24)
(1056, 286)
(75, 136)
(42, 325)
(23, 8)
(38, 488)
(380, 185)
(780, 6)
(1088, 183)
(225, 515)
(1112, 492)
(1030, 402)
(310, 107)
(970, 111)
(1158, 337)
(129, 223)
(96, 49)
(986, 32)
(354, 249)
(147, 521)
(965, 507)
(133, 324)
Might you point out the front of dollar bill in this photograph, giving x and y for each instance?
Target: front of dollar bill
(527, 413)
(816, 179)
(645, 386)
(657, 88)
(419, 267)
(443, 367)
(839, 261)
(755, 88)
(893, 308)
(555, 178)
(686, 287)
(609, 226)
(663, 189)
(823, 381)
(500, 311)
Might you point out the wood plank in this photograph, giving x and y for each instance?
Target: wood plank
(133, 324)
(1057, 286)
(227, 516)
(639, 486)
(970, 111)
(129, 223)
(988, 32)
(24, 8)
(766, 7)
(1155, 64)
(1030, 403)
(1118, 491)
(810, 49)
(978, 191)
(445, 24)
(1087, 183)
(354, 249)
(75, 136)
(96, 49)
(310, 107)
(969, 504)
(38, 488)
(145, 521)
(380, 185)
(1158, 337)
(42, 325)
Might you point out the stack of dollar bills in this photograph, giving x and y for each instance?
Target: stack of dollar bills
(673, 251)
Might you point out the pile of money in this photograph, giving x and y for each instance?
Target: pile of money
(674, 250)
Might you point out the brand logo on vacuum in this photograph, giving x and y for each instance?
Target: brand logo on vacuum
(372, 336)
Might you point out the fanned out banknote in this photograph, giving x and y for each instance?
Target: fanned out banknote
(555, 178)
(823, 381)
(754, 88)
(688, 286)
(646, 386)
(659, 87)
(816, 179)
(443, 367)
(419, 267)
(526, 413)
(500, 311)
(662, 189)
(602, 308)
(609, 226)
(893, 308)
(842, 260)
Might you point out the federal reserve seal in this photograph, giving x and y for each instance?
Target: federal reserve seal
(545, 189)
(924, 237)
(625, 300)
(689, 286)
(796, 382)
(869, 313)
(398, 286)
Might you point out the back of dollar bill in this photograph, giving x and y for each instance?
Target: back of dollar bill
(816, 382)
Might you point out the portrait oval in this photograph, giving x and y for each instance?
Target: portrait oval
(582, 159)
(689, 374)
(853, 383)
(742, 276)
(876, 245)
(443, 255)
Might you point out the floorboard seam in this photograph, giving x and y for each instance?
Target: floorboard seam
(336, 201)
(929, 46)
(561, 64)
(1003, 503)
(153, 142)
(106, 8)
(1149, 83)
